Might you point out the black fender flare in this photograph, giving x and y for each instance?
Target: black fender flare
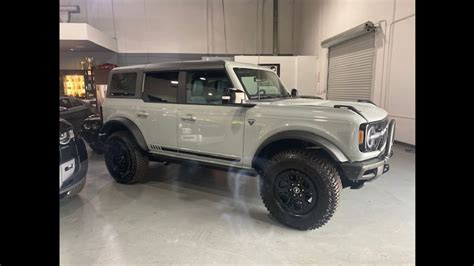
(317, 140)
(122, 123)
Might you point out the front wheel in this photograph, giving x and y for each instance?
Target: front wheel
(124, 159)
(301, 189)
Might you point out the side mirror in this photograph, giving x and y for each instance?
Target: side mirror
(62, 109)
(294, 92)
(233, 96)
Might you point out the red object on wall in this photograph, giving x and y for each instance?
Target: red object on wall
(106, 66)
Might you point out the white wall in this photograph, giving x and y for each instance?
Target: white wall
(322, 19)
(189, 26)
(295, 71)
(306, 27)
(306, 74)
(85, 32)
(400, 94)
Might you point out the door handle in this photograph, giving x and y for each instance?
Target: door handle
(142, 114)
(188, 117)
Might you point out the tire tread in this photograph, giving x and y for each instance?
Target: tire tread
(326, 170)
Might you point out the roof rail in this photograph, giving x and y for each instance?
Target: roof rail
(366, 101)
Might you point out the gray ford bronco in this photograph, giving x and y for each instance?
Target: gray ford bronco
(240, 117)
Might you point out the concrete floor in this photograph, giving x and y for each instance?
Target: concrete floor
(189, 215)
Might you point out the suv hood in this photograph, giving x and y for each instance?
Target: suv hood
(368, 110)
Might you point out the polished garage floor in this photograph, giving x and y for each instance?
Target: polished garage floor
(187, 215)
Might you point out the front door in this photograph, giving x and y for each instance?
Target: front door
(208, 129)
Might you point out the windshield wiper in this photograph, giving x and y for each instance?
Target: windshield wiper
(268, 96)
(263, 96)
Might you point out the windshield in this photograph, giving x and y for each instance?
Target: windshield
(261, 84)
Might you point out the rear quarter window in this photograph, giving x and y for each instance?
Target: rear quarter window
(123, 84)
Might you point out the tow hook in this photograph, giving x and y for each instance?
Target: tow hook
(386, 167)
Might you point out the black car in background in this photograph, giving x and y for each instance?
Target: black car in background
(90, 132)
(75, 111)
(73, 161)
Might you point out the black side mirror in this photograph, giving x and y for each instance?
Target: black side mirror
(233, 96)
(294, 92)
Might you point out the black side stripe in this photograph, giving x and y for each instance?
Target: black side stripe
(201, 154)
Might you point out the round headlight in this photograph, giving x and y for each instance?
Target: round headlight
(65, 137)
(371, 138)
(87, 126)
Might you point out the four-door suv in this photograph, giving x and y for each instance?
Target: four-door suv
(241, 117)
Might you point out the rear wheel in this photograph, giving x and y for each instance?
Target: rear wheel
(124, 159)
(301, 189)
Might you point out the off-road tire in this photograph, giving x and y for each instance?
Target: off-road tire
(136, 166)
(318, 169)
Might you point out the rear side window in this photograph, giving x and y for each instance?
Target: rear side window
(123, 84)
(161, 87)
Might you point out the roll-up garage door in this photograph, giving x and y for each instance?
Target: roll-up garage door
(350, 74)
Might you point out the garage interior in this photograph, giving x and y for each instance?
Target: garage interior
(336, 50)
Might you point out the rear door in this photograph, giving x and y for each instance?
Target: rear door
(157, 115)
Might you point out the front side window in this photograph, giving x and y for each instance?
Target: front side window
(161, 87)
(206, 87)
(123, 84)
(261, 83)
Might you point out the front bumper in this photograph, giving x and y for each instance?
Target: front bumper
(365, 170)
(372, 168)
(90, 130)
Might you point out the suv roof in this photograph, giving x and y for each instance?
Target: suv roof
(195, 64)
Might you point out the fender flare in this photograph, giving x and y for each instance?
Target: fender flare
(122, 123)
(317, 140)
